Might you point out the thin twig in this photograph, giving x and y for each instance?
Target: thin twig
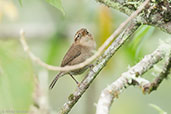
(130, 78)
(89, 60)
(40, 97)
(148, 88)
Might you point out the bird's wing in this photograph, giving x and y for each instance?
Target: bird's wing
(73, 52)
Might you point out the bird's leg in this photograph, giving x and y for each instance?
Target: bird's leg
(74, 79)
(91, 66)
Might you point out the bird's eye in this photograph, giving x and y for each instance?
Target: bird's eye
(79, 35)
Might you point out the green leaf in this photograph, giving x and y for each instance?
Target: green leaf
(133, 50)
(57, 4)
(158, 109)
(142, 34)
(21, 3)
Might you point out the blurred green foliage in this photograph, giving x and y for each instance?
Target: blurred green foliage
(134, 48)
(55, 47)
(16, 78)
(39, 19)
(57, 4)
(21, 2)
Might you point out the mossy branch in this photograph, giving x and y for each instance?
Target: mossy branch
(157, 12)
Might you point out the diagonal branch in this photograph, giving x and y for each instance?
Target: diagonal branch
(92, 58)
(130, 78)
(122, 38)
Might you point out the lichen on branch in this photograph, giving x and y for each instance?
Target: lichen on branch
(157, 13)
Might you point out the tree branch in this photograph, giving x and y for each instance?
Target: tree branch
(92, 58)
(100, 63)
(157, 13)
(148, 88)
(40, 97)
(130, 78)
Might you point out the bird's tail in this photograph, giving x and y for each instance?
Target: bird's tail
(55, 80)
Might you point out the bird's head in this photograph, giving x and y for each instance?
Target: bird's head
(83, 37)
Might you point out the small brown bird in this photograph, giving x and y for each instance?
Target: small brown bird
(83, 47)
